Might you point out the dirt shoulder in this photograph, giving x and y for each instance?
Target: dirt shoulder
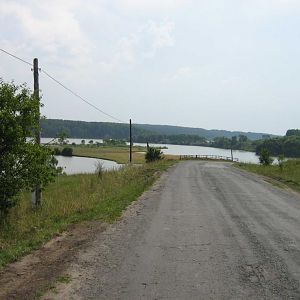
(35, 273)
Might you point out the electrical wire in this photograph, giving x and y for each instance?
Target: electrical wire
(16, 57)
(65, 87)
(81, 98)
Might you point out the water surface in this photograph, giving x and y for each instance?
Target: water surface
(76, 165)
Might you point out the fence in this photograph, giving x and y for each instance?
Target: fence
(209, 157)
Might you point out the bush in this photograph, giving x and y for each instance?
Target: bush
(280, 162)
(67, 151)
(265, 158)
(153, 154)
(56, 151)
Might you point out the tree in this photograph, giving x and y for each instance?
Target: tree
(67, 151)
(153, 154)
(293, 132)
(62, 137)
(280, 161)
(243, 138)
(23, 163)
(265, 158)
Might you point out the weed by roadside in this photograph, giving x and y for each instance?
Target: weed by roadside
(72, 199)
(288, 173)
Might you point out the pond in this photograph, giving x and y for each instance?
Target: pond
(243, 156)
(76, 165)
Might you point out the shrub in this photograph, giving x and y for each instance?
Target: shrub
(67, 151)
(280, 162)
(153, 154)
(265, 158)
(56, 151)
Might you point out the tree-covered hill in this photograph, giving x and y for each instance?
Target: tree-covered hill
(93, 130)
(88, 130)
(207, 133)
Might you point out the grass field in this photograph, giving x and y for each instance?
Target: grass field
(119, 154)
(289, 175)
(72, 199)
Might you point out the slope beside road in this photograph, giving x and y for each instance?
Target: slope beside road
(205, 231)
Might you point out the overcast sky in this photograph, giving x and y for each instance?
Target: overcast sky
(224, 64)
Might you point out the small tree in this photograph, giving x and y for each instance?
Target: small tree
(62, 138)
(153, 154)
(67, 151)
(82, 142)
(23, 163)
(265, 158)
(280, 162)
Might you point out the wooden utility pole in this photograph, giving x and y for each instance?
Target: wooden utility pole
(37, 193)
(130, 141)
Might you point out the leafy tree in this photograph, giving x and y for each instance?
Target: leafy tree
(62, 137)
(56, 151)
(293, 132)
(82, 142)
(67, 151)
(243, 138)
(153, 154)
(289, 146)
(265, 158)
(23, 163)
(234, 141)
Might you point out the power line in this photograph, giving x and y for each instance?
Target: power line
(81, 98)
(16, 57)
(65, 87)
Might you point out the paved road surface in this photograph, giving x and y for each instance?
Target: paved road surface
(206, 231)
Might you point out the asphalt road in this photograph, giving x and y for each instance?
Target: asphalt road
(205, 231)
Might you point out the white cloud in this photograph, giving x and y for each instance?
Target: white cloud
(149, 6)
(180, 73)
(261, 9)
(159, 35)
(141, 45)
(48, 26)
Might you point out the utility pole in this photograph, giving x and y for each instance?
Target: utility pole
(130, 141)
(231, 154)
(37, 193)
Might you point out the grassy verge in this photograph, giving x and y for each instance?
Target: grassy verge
(289, 175)
(119, 154)
(72, 199)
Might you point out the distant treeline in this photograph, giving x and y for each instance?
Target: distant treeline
(88, 130)
(176, 139)
(288, 145)
(101, 130)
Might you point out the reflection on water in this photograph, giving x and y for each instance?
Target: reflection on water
(243, 156)
(76, 165)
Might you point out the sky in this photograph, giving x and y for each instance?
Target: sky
(214, 64)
